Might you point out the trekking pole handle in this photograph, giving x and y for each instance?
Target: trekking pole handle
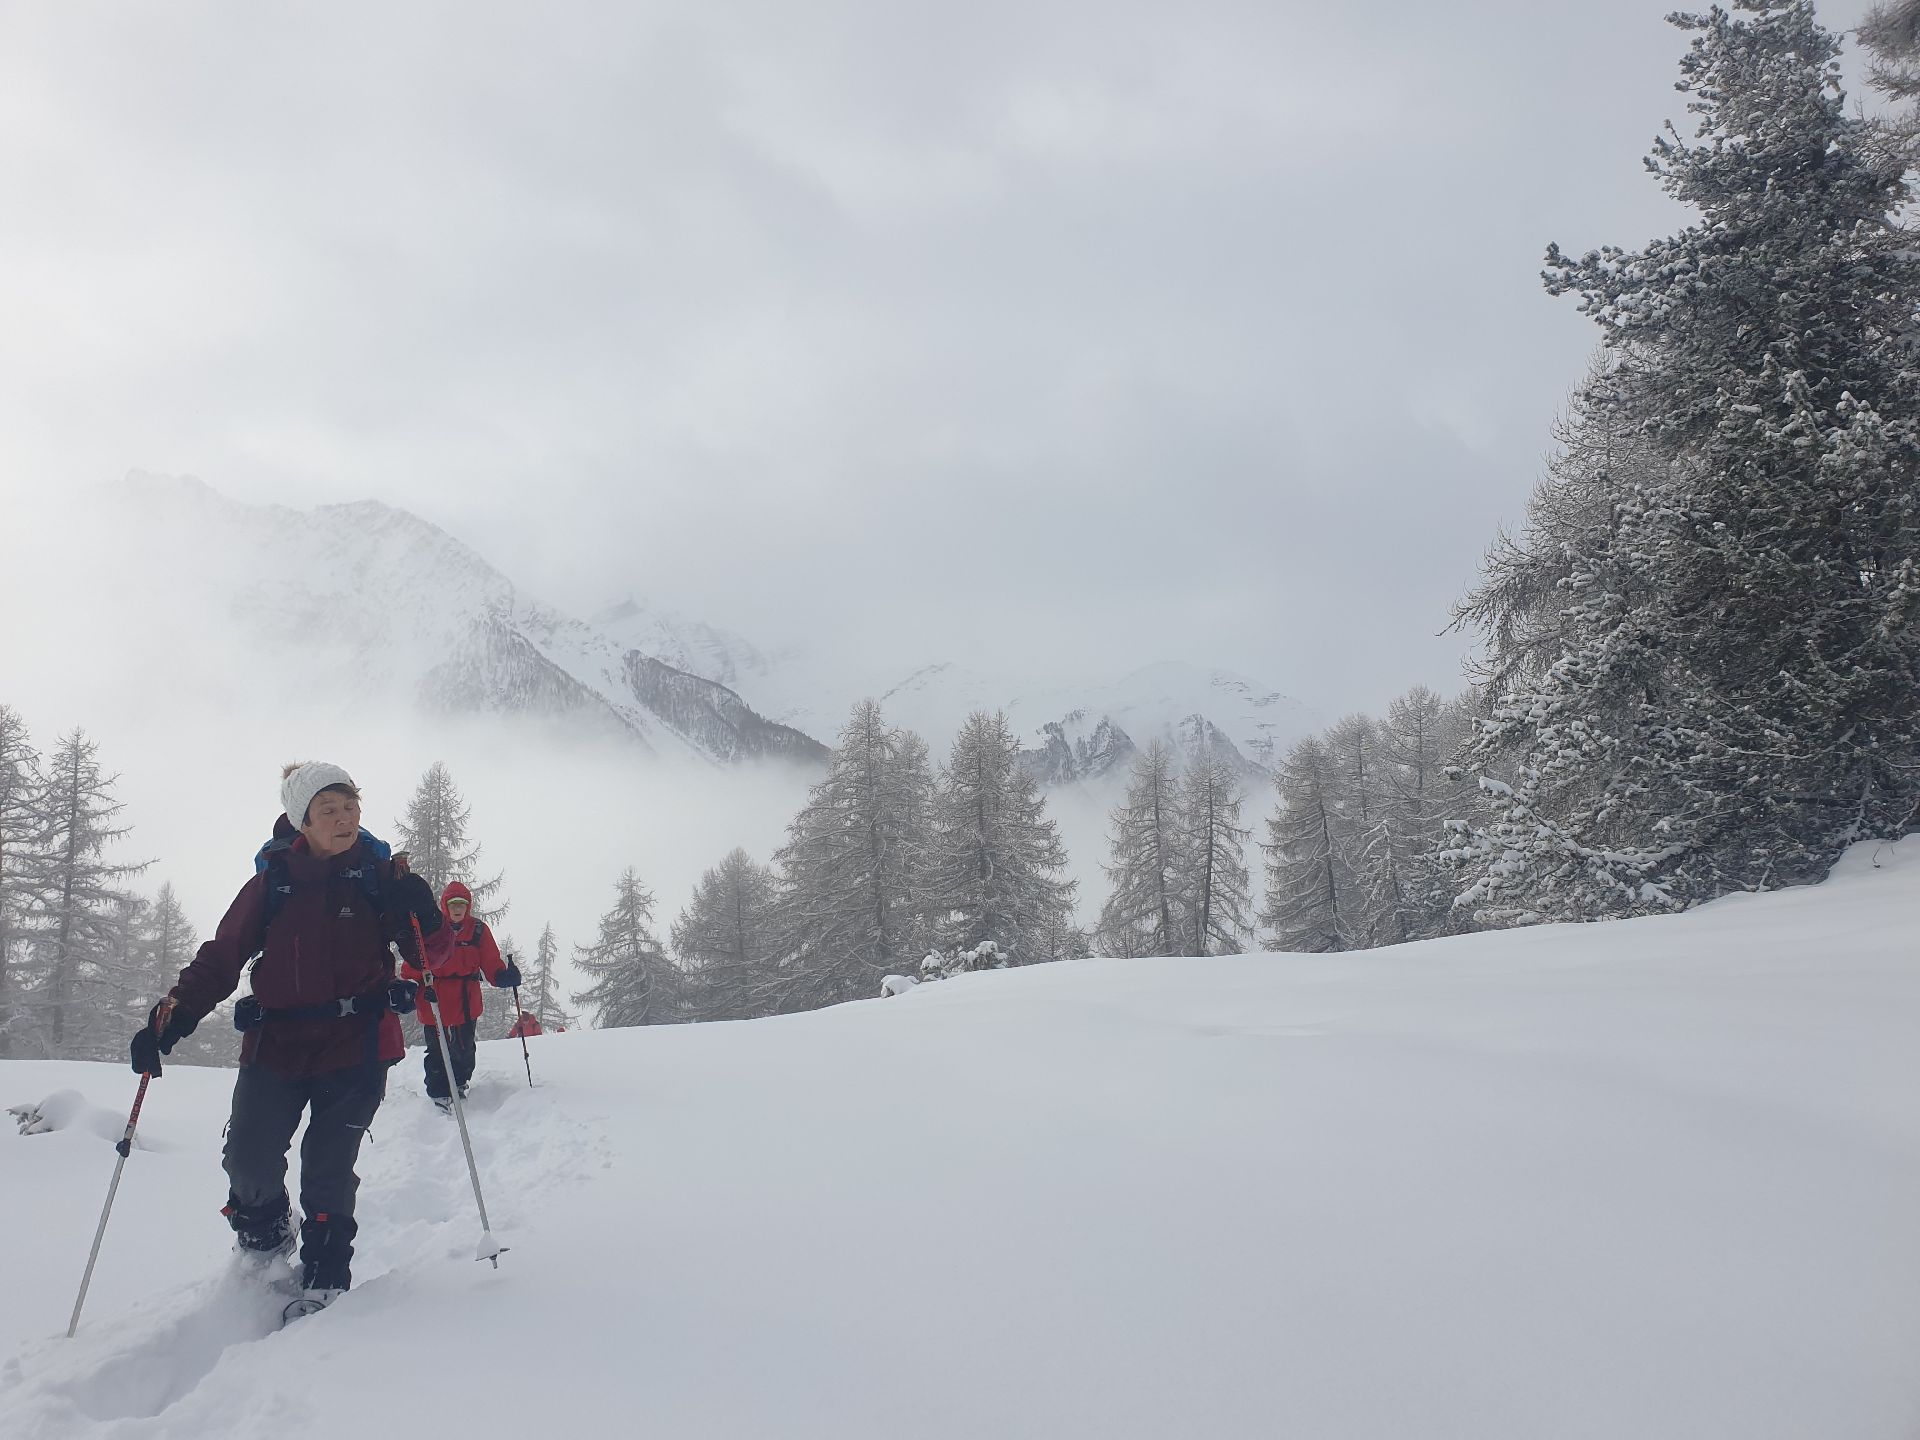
(426, 975)
(161, 1016)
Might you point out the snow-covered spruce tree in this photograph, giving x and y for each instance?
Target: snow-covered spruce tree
(433, 832)
(994, 861)
(23, 842)
(852, 874)
(1310, 891)
(1214, 885)
(1144, 913)
(724, 938)
(79, 895)
(1734, 695)
(541, 994)
(632, 980)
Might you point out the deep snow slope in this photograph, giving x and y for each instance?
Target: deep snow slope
(1653, 1179)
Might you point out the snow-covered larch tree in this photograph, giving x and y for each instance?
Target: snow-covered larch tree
(724, 939)
(1376, 913)
(852, 906)
(995, 860)
(541, 994)
(435, 834)
(632, 980)
(23, 843)
(166, 944)
(1144, 913)
(1214, 886)
(1420, 739)
(79, 890)
(1309, 880)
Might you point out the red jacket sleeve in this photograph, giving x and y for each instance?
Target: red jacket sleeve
(490, 962)
(214, 972)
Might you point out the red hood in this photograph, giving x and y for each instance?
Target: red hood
(456, 891)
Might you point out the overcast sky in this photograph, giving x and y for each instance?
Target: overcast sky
(1029, 335)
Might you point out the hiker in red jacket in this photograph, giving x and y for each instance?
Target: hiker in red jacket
(456, 984)
(528, 1024)
(321, 1026)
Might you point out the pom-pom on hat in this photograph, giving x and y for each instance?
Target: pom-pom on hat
(303, 782)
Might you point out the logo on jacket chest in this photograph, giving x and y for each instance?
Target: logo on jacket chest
(346, 913)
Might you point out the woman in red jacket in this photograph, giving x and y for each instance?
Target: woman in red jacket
(321, 1026)
(456, 984)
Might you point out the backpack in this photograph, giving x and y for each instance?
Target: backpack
(272, 862)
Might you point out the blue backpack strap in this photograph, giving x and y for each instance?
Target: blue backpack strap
(375, 865)
(370, 874)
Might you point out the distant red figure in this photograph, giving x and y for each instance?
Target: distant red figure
(526, 1025)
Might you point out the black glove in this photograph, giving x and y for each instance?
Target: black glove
(401, 995)
(508, 978)
(409, 899)
(154, 1040)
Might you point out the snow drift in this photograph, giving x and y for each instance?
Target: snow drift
(1654, 1178)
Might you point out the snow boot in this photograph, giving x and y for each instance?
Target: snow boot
(444, 1104)
(261, 1233)
(326, 1252)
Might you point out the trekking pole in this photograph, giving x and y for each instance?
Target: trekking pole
(488, 1248)
(125, 1148)
(520, 1026)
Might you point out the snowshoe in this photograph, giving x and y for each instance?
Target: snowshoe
(308, 1302)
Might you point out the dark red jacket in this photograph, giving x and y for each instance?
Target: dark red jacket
(325, 944)
(456, 979)
(524, 1026)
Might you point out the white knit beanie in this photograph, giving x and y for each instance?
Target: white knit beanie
(299, 788)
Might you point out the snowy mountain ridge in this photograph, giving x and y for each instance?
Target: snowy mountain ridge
(1072, 730)
(380, 600)
(388, 602)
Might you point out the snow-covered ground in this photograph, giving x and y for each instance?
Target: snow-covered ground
(1651, 1179)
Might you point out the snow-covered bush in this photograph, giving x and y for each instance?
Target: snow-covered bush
(943, 965)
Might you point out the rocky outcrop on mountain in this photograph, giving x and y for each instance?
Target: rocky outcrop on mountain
(1197, 737)
(1071, 750)
(712, 717)
(496, 667)
(1085, 747)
